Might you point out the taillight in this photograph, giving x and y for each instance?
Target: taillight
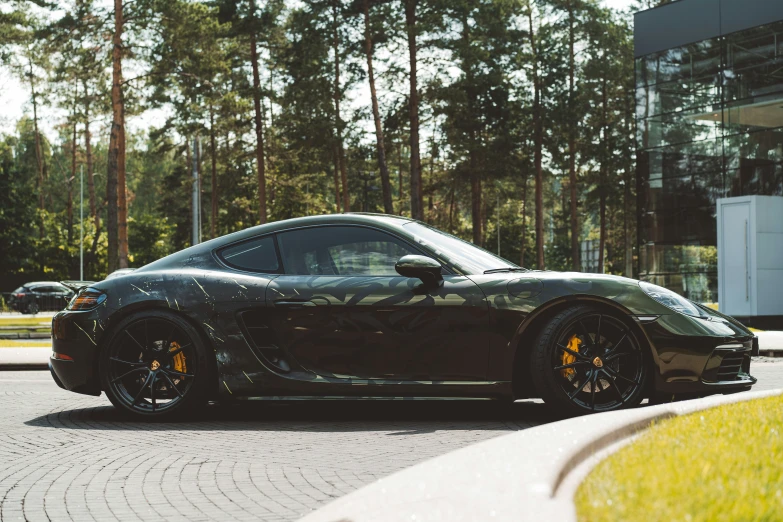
(86, 299)
(19, 295)
(61, 357)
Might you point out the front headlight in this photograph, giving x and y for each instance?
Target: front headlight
(671, 300)
(86, 299)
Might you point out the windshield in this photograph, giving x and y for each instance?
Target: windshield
(467, 257)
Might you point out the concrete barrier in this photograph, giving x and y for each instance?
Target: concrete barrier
(529, 475)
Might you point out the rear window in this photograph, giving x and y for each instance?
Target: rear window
(255, 255)
(20, 290)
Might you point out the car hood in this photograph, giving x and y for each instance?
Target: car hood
(543, 286)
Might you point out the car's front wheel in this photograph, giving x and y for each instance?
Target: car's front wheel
(587, 360)
(155, 366)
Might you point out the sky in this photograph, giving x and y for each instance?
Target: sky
(15, 100)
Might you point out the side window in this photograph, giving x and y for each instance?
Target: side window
(255, 255)
(341, 250)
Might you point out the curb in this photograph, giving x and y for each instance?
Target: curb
(25, 358)
(528, 475)
(22, 367)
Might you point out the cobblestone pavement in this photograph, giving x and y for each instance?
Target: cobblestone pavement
(70, 457)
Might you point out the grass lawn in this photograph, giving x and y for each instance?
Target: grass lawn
(25, 321)
(25, 343)
(723, 464)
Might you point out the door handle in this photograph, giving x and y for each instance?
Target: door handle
(293, 304)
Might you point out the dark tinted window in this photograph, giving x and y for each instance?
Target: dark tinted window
(336, 250)
(256, 255)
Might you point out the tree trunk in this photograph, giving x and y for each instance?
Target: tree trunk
(338, 122)
(258, 120)
(523, 247)
(602, 181)
(433, 155)
(451, 205)
(417, 199)
(628, 239)
(116, 154)
(336, 155)
(538, 131)
(388, 206)
(475, 200)
(575, 264)
(399, 181)
(122, 201)
(214, 192)
(88, 159)
(476, 208)
(38, 151)
(90, 259)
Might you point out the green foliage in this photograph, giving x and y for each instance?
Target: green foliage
(191, 61)
(150, 237)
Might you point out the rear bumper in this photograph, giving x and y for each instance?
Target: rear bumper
(75, 335)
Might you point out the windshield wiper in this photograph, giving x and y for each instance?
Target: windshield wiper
(508, 269)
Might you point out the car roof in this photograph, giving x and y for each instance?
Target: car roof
(42, 283)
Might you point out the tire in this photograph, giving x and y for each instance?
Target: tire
(589, 360)
(33, 308)
(141, 377)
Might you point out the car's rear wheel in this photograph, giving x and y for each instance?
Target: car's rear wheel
(587, 360)
(33, 308)
(155, 366)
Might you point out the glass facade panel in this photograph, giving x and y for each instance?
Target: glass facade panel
(709, 125)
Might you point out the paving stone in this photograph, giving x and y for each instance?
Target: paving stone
(66, 457)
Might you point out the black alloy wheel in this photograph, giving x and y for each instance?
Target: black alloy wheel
(587, 360)
(155, 366)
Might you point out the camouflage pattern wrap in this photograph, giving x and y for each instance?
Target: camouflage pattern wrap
(276, 335)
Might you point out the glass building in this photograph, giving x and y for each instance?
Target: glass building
(709, 110)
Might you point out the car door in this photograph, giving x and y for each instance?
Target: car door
(340, 310)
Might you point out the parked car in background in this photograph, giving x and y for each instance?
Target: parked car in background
(118, 273)
(32, 298)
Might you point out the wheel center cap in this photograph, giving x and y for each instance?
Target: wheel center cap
(155, 365)
(597, 362)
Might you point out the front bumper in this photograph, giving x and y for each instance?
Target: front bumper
(700, 356)
(76, 335)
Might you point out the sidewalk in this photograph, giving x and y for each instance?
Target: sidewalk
(27, 358)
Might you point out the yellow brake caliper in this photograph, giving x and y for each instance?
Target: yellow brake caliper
(179, 359)
(573, 344)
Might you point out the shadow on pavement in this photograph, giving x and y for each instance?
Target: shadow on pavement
(405, 416)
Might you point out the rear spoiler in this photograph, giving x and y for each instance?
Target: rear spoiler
(76, 285)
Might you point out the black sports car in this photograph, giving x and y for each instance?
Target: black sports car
(361, 305)
(32, 298)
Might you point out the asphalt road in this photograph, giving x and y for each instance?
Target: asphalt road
(70, 457)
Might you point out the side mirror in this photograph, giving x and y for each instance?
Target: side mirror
(421, 267)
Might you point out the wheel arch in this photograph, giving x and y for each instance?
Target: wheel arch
(528, 330)
(121, 314)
